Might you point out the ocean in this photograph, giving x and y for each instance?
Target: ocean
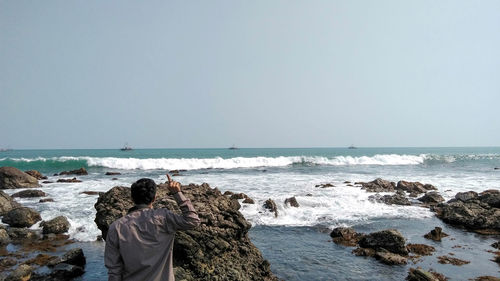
(297, 242)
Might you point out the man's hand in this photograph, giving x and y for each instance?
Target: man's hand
(173, 186)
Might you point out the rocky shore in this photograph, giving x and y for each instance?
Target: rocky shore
(219, 249)
(43, 254)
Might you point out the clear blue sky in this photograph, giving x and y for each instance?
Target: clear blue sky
(97, 74)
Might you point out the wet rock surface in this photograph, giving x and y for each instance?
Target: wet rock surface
(11, 177)
(390, 240)
(7, 203)
(324, 185)
(219, 249)
(346, 236)
(378, 185)
(480, 212)
(69, 180)
(418, 274)
(271, 206)
(79, 172)
(21, 217)
(29, 193)
(414, 187)
(397, 199)
(36, 174)
(451, 260)
(292, 202)
(436, 234)
(431, 198)
(420, 249)
(56, 225)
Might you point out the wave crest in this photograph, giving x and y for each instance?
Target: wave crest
(229, 163)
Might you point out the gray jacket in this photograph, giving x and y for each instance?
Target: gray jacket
(139, 245)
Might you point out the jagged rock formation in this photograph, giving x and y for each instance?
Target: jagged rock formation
(480, 212)
(219, 249)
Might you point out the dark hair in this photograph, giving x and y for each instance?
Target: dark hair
(143, 191)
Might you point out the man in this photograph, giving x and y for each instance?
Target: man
(139, 245)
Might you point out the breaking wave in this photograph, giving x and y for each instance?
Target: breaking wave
(215, 163)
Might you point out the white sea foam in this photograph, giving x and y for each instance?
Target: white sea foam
(233, 163)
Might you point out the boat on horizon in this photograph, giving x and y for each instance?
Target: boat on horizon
(126, 147)
(352, 147)
(233, 147)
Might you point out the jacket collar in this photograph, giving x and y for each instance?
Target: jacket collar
(137, 208)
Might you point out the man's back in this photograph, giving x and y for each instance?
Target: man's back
(139, 245)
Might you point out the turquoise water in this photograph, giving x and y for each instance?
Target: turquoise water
(296, 243)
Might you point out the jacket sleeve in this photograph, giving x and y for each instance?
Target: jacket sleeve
(189, 218)
(112, 258)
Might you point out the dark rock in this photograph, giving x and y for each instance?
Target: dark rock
(7, 203)
(364, 252)
(73, 257)
(40, 260)
(228, 193)
(29, 193)
(431, 198)
(450, 260)
(411, 187)
(64, 271)
(90, 192)
(21, 273)
(46, 200)
(421, 249)
(420, 275)
(7, 262)
(481, 213)
(346, 236)
(497, 168)
(11, 177)
(114, 179)
(24, 234)
(219, 249)
(378, 185)
(347, 182)
(4, 237)
(390, 258)
(112, 173)
(237, 196)
(68, 180)
(271, 206)
(21, 217)
(324, 185)
(173, 171)
(46, 182)
(490, 197)
(496, 245)
(390, 240)
(309, 195)
(466, 196)
(56, 225)
(292, 201)
(80, 172)
(248, 201)
(436, 234)
(397, 199)
(36, 174)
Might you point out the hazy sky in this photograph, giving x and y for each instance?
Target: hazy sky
(97, 74)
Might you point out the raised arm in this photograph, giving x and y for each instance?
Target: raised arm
(189, 218)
